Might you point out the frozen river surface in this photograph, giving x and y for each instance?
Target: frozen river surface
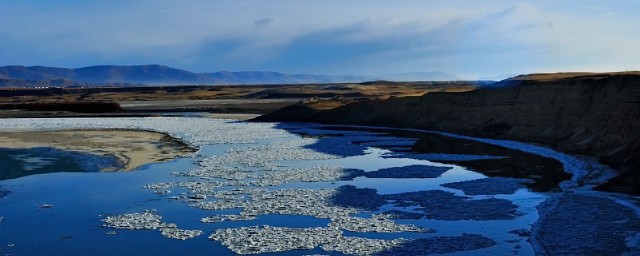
(281, 189)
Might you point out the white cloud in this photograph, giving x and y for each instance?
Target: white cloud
(472, 38)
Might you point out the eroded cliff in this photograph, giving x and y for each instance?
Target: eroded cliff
(581, 113)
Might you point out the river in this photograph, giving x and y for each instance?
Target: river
(279, 189)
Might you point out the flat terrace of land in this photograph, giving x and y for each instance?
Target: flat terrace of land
(254, 99)
(132, 148)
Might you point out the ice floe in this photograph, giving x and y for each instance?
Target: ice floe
(268, 239)
(221, 218)
(264, 239)
(180, 234)
(198, 132)
(378, 223)
(148, 220)
(140, 220)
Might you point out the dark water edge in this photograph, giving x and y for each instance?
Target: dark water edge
(20, 162)
(545, 173)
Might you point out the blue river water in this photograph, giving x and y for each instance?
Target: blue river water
(81, 197)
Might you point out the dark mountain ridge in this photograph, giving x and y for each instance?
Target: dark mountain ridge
(21, 76)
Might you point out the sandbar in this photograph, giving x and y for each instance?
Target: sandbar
(132, 148)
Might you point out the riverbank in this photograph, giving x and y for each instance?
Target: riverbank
(240, 99)
(132, 148)
(588, 114)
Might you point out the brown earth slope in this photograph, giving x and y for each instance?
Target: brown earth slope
(583, 113)
(254, 99)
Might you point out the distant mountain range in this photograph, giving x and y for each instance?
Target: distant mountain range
(21, 76)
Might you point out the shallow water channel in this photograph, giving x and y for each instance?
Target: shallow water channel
(320, 190)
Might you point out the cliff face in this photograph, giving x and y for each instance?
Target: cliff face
(592, 114)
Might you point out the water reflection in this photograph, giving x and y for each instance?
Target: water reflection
(490, 160)
(19, 162)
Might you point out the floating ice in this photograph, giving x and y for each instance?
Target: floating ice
(316, 203)
(140, 220)
(308, 174)
(379, 223)
(200, 131)
(265, 239)
(361, 246)
(148, 220)
(295, 202)
(241, 163)
(221, 218)
(198, 189)
(179, 234)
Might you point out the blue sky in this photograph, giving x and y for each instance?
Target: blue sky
(472, 39)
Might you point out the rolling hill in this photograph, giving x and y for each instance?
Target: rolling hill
(21, 76)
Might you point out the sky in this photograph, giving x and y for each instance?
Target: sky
(472, 39)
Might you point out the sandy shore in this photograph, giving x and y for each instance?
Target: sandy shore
(132, 148)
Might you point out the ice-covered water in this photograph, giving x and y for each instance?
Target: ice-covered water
(264, 186)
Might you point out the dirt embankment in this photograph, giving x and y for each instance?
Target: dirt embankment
(77, 107)
(244, 99)
(591, 114)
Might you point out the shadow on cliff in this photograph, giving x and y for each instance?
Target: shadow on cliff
(593, 114)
